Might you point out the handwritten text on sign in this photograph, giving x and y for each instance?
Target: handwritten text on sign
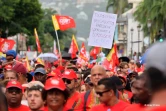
(102, 29)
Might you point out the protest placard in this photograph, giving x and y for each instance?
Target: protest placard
(102, 29)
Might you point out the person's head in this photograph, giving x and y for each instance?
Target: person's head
(105, 90)
(79, 79)
(10, 55)
(70, 79)
(97, 72)
(124, 66)
(83, 88)
(20, 69)
(132, 76)
(40, 75)
(109, 73)
(55, 93)
(14, 93)
(34, 97)
(10, 75)
(140, 90)
(138, 64)
(123, 79)
(39, 66)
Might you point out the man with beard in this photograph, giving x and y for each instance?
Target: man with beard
(70, 79)
(14, 96)
(40, 75)
(34, 97)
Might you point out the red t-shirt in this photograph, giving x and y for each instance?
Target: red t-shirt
(135, 107)
(71, 100)
(120, 106)
(20, 108)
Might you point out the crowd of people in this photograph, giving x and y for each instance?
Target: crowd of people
(72, 87)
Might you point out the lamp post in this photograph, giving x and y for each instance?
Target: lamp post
(138, 27)
(131, 42)
(149, 26)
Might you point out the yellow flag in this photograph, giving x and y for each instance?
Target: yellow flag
(55, 22)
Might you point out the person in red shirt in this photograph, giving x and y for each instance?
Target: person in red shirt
(55, 94)
(14, 96)
(106, 92)
(89, 99)
(34, 98)
(70, 79)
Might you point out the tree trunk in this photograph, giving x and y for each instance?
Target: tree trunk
(164, 28)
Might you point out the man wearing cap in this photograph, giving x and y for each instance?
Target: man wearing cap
(88, 100)
(14, 96)
(70, 78)
(40, 75)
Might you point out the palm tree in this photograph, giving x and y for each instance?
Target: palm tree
(153, 10)
(119, 6)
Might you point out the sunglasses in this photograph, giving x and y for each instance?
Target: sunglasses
(67, 81)
(101, 93)
(17, 91)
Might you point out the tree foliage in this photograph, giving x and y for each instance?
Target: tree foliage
(19, 16)
(153, 11)
(118, 6)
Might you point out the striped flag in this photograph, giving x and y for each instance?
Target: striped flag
(37, 41)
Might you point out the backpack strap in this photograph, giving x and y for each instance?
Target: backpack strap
(86, 98)
(73, 106)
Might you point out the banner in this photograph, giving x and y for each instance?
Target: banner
(6, 44)
(63, 22)
(102, 29)
(37, 41)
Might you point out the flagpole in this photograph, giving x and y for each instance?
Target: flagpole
(58, 47)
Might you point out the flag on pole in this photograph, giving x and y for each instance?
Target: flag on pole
(37, 41)
(73, 47)
(55, 22)
(111, 60)
(95, 51)
(6, 44)
(63, 22)
(82, 58)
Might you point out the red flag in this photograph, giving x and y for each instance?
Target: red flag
(64, 22)
(112, 60)
(82, 54)
(73, 47)
(6, 44)
(95, 51)
(37, 41)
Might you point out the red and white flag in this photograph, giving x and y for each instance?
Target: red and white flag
(95, 51)
(63, 22)
(82, 58)
(6, 44)
(73, 47)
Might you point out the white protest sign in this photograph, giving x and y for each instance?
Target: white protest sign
(102, 29)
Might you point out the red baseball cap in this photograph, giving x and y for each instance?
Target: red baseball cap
(69, 74)
(61, 68)
(54, 82)
(8, 67)
(55, 72)
(14, 83)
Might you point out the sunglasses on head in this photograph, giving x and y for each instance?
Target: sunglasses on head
(101, 93)
(16, 90)
(67, 81)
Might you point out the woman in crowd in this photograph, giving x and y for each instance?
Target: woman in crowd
(55, 94)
